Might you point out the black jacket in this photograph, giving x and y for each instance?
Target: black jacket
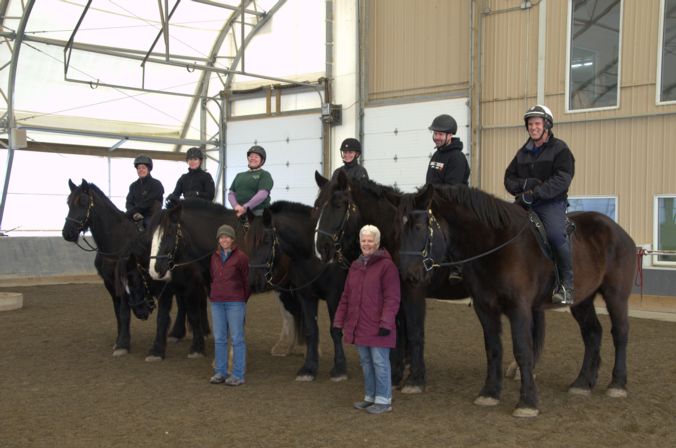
(194, 184)
(448, 165)
(145, 194)
(547, 172)
(353, 170)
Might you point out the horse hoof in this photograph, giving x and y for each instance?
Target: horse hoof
(412, 389)
(486, 401)
(120, 352)
(579, 391)
(153, 358)
(525, 412)
(339, 378)
(616, 392)
(280, 351)
(195, 355)
(305, 378)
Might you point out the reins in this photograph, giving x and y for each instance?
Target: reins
(337, 237)
(172, 254)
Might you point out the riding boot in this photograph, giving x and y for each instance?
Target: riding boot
(564, 294)
(455, 274)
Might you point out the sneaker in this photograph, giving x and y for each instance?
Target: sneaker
(378, 408)
(234, 381)
(361, 404)
(217, 379)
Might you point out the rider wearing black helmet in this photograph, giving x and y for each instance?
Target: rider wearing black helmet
(250, 190)
(196, 183)
(539, 177)
(350, 150)
(145, 193)
(448, 164)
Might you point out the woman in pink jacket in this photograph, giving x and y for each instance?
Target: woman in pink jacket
(366, 314)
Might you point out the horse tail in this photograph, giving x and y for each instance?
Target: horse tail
(291, 304)
(538, 333)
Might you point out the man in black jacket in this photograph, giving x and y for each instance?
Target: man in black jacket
(145, 193)
(196, 183)
(448, 164)
(539, 177)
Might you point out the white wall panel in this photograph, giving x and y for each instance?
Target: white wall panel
(294, 151)
(398, 144)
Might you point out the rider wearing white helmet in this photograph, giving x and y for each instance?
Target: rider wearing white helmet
(539, 177)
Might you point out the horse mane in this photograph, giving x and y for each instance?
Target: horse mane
(376, 189)
(202, 205)
(100, 196)
(290, 207)
(491, 211)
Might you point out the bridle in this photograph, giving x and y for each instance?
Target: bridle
(148, 298)
(337, 236)
(83, 225)
(171, 256)
(429, 263)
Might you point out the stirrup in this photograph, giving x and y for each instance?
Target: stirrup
(562, 296)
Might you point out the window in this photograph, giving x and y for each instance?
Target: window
(665, 228)
(602, 204)
(593, 54)
(666, 66)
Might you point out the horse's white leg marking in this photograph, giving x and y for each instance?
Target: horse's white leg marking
(287, 337)
(154, 249)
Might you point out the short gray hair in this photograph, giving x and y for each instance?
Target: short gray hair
(373, 230)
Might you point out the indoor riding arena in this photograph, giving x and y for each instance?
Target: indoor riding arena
(174, 171)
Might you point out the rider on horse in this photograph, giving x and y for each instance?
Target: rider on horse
(350, 150)
(145, 193)
(539, 177)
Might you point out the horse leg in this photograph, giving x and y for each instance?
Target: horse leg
(397, 355)
(288, 308)
(522, 342)
(123, 319)
(339, 370)
(617, 305)
(538, 333)
(193, 297)
(204, 316)
(492, 326)
(178, 330)
(309, 370)
(414, 311)
(158, 351)
(590, 328)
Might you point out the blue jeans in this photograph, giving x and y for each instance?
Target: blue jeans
(375, 362)
(228, 317)
(553, 217)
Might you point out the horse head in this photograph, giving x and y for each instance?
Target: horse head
(132, 280)
(80, 205)
(166, 235)
(337, 230)
(423, 243)
(263, 252)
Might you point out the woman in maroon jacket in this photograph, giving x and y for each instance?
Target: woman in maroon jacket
(229, 294)
(366, 314)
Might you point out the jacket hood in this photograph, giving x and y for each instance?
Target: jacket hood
(456, 144)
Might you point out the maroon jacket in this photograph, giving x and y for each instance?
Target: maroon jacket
(370, 301)
(230, 280)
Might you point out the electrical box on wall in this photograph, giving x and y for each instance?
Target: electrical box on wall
(17, 138)
(332, 114)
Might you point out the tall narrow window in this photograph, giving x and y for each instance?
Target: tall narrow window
(593, 70)
(667, 66)
(665, 228)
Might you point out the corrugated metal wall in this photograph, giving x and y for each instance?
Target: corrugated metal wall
(626, 152)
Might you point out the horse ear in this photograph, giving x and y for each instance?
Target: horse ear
(267, 218)
(342, 180)
(424, 197)
(321, 180)
(71, 185)
(84, 185)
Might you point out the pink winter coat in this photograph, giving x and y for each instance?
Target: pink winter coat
(370, 301)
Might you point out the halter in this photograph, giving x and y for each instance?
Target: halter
(148, 298)
(83, 225)
(428, 261)
(337, 236)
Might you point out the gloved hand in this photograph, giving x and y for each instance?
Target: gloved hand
(531, 183)
(383, 331)
(170, 202)
(191, 194)
(137, 216)
(525, 199)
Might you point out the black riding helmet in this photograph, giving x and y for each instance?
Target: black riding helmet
(257, 150)
(444, 123)
(144, 160)
(539, 111)
(350, 144)
(194, 153)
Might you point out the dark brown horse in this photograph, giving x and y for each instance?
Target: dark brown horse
(506, 272)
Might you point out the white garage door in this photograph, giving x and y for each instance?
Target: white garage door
(294, 151)
(398, 144)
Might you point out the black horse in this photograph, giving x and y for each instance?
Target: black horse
(507, 272)
(344, 206)
(286, 231)
(89, 208)
(184, 237)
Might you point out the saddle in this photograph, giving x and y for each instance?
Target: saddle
(538, 230)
